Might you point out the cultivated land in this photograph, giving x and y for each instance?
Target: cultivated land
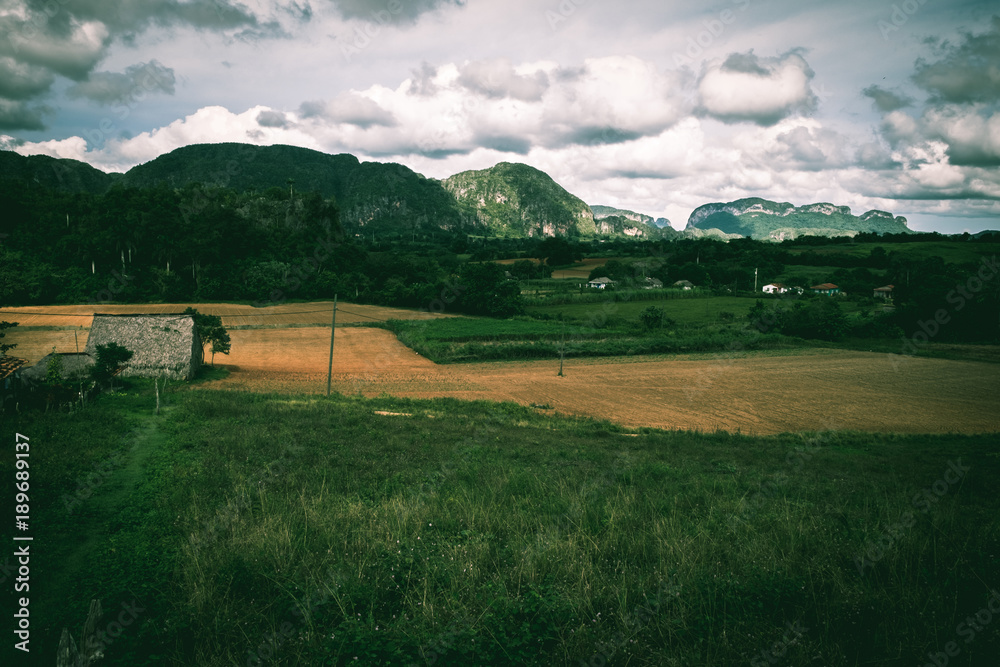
(755, 392)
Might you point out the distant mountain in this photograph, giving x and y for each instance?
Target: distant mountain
(515, 200)
(368, 193)
(765, 219)
(608, 211)
(57, 174)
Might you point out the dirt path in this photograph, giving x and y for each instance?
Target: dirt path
(813, 390)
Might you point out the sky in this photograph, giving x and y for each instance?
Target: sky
(653, 106)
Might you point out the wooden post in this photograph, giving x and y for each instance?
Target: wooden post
(333, 330)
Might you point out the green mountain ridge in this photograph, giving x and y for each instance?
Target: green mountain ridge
(516, 200)
(508, 200)
(763, 219)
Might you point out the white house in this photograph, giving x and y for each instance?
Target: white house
(774, 288)
(601, 283)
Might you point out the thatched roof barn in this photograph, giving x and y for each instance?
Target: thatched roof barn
(75, 366)
(163, 345)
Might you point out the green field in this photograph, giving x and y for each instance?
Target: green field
(262, 529)
(693, 312)
(952, 252)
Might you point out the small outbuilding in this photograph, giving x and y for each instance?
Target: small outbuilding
(825, 288)
(162, 345)
(883, 293)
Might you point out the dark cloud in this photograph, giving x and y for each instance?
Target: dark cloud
(966, 72)
(137, 81)
(46, 38)
(300, 12)
(886, 100)
(21, 81)
(19, 116)
(504, 143)
(599, 136)
(762, 90)
(272, 119)
(497, 79)
(748, 63)
(874, 155)
(390, 11)
(422, 80)
(351, 109)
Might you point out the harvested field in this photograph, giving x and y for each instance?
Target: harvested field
(760, 394)
(813, 390)
(233, 315)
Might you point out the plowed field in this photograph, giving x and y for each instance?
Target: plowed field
(233, 315)
(811, 390)
(817, 390)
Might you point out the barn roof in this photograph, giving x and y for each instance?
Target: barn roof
(159, 343)
(825, 286)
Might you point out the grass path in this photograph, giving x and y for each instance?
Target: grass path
(103, 513)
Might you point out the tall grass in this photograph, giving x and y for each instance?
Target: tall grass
(296, 530)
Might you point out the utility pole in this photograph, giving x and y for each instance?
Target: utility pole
(333, 329)
(755, 279)
(562, 351)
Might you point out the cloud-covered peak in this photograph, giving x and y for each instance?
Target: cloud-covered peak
(746, 87)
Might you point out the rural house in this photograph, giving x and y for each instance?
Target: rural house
(774, 288)
(883, 293)
(825, 288)
(162, 345)
(75, 366)
(684, 284)
(652, 283)
(601, 283)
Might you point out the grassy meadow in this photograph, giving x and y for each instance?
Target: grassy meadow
(247, 529)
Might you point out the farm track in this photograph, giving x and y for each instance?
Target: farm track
(755, 394)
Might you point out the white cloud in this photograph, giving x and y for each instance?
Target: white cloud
(746, 87)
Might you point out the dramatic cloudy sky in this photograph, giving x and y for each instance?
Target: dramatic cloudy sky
(645, 104)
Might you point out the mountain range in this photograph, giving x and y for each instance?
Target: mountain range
(507, 200)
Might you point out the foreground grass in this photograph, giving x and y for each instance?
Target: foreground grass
(293, 530)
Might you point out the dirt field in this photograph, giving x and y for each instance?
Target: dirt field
(813, 390)
(818, 390)
(233, 315)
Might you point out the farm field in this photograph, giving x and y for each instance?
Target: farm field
(758, 392)
(57, 323)
(748, 393)
(233, 314)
